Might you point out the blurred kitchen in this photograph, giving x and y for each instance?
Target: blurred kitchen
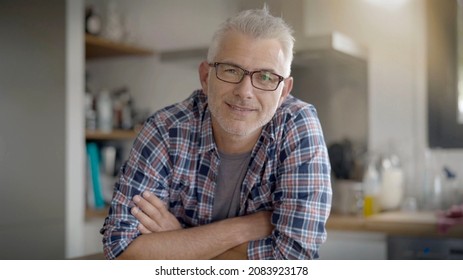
(78, 77)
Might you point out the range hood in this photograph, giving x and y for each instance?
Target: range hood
(331, 73)
(308, 49)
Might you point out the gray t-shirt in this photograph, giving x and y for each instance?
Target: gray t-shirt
(231, 174)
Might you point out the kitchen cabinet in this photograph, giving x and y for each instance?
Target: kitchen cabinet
(354, 245)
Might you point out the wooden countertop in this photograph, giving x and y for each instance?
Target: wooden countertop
(420, 224)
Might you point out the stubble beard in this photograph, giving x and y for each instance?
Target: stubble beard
(231, 126)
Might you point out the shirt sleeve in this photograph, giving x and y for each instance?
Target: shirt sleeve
(145, 169)
(302, 197)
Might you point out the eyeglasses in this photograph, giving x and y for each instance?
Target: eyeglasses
(260, 79)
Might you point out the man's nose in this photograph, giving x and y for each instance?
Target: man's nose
(245, 88)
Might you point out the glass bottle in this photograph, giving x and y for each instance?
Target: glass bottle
(371, 188)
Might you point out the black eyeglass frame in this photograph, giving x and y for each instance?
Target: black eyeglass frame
(245, 73)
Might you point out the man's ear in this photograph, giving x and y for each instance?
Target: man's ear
(204, 75)
(287, 87)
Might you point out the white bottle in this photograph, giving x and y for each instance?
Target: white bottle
(105, 111)
(392, 183)
(391, 188)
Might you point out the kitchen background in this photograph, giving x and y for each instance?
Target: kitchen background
(375, 82)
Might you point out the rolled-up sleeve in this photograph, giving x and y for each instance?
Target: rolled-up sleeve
(144, 170)
(302, 196)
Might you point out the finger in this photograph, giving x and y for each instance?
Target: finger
(143, 229)
(145, 220)
(155, 201)
(148, 208)
(158, 203)
(154, 208)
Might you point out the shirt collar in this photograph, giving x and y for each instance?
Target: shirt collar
(207, 142)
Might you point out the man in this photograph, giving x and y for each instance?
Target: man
(239, 170)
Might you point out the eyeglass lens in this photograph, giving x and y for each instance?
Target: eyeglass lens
(264, 80)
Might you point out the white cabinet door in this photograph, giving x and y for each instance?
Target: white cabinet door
(347, 245)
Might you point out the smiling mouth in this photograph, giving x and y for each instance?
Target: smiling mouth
(239, 108)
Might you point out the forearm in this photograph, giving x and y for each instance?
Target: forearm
(239, 252)
(202, 242)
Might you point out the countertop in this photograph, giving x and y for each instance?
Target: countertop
(419, 224)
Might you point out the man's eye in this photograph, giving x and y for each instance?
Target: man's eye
(266, 77)
(232, 71)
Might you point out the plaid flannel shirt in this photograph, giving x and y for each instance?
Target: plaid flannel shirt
(175, 157)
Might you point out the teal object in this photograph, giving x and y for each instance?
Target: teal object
(93, 155)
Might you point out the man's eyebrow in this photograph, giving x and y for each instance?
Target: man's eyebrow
(271, 70)
(239, 66)
(268, 70)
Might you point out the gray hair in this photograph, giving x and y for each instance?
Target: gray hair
(259, 24)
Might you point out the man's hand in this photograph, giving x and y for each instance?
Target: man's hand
(449, 218)
(153, 215)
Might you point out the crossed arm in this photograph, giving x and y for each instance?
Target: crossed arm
(164, 238)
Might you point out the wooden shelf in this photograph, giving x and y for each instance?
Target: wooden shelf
(96, 213)
(98, 47)
(113, 135)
